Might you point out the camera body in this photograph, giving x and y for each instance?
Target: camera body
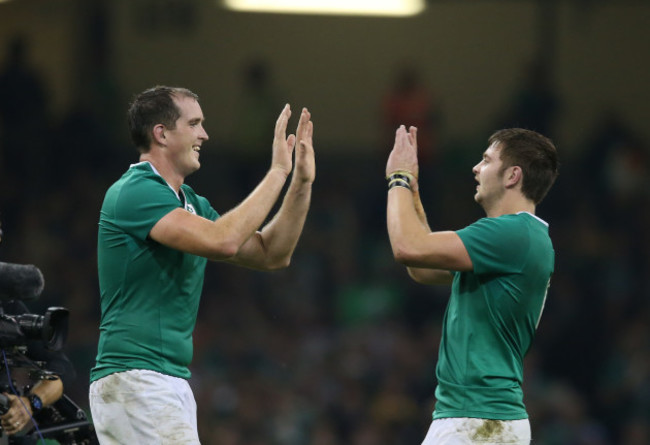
(51, 328)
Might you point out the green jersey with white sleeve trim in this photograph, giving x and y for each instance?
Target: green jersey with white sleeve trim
(149, 292)
(491, 317)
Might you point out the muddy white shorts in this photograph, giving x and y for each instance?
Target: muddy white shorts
(143, 407)
(467, 431)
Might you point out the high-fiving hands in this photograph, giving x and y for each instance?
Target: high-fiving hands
(283, 146)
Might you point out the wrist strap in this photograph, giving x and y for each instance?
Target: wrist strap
(402, 173)
(398, 182)
(399, 179)
(35, 402)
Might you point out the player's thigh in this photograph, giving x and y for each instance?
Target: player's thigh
(142, 406)
(468, 431)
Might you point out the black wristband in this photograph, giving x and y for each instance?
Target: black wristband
(398, 182)
(399, 176)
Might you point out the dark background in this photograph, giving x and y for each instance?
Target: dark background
(340, 348)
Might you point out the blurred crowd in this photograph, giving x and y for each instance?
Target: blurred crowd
(341, 347)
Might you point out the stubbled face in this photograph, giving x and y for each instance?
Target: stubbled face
(184, 142)
(489, 175)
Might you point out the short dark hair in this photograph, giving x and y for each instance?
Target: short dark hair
(152, 107)
(534, 153)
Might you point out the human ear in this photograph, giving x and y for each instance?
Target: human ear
(513, 176)
(159, 134)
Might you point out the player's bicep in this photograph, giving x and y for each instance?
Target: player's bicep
(445, 250)
(187, 232)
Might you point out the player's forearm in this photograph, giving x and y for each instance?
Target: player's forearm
(405, 228)
(242, 222)
(280, 236)
(419, 209)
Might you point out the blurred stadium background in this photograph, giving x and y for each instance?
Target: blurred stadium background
(341, 347)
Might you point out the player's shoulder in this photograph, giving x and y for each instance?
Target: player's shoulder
(138, 176)
(515, 220)
(496, 222)
(138, 185)
(511, 227)
(142, 173)
(530, 223)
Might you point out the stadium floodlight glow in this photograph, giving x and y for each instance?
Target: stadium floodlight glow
(332, 7)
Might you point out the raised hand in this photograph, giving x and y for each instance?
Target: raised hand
(305, 169)
(404, 156)
(282, 144)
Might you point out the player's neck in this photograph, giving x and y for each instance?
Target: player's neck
(511, 203)
(164, 169)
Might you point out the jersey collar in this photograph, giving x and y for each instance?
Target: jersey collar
(180, 197)
(534, 216)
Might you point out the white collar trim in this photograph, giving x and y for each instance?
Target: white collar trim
(156, 172)
(536, 217)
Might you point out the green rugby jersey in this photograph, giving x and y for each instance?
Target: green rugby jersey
(149, 292)
(491, 318)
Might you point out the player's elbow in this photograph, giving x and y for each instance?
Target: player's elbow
(280, 264)
(415, 276)
(430, 276)
(268, 264)
(224, 250)
(403, 254)
(277, 262)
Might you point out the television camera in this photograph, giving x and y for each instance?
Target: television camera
(62, 421)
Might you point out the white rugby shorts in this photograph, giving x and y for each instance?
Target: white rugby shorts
(143, 407)
(469, 431)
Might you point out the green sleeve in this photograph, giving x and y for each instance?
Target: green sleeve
(495, 245)
(141, 204)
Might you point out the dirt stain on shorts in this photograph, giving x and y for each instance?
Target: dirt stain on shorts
(489, 430)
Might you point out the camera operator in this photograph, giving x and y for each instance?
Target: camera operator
(36, 395)
(25, 396)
